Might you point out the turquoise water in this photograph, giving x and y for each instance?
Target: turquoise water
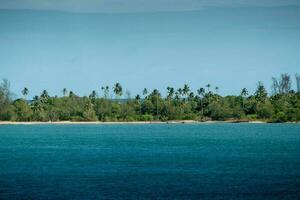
(218, 161)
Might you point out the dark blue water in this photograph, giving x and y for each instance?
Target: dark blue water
(219, 161)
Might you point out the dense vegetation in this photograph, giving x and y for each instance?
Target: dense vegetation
(181, 104)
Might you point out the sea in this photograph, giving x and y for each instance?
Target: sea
(150, 161)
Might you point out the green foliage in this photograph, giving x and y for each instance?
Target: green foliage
(178, 104)
(218, 111)
(264, 110)
(22, 111)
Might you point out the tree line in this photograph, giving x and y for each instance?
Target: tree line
(281, 105)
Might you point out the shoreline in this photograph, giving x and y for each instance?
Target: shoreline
(134, 122)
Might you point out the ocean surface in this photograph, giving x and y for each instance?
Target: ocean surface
(159, 161)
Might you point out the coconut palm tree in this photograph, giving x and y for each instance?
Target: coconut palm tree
(208, 92)
(65, 91)
(261, 92)
(71, 94)
(138, 100)
(185, 90)
(244, 93)
(208, 86)
(180, 92)
(145, 91)
(93, 95)
(25, 92)
(191, 96)
(201, 92)
(170, 92)
(105, 90)
(35, 98)
(118, 90)
(137, 97)
(44, 94)
(216, 89)
(156, 94)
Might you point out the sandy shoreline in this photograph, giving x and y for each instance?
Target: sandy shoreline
(133, 122)
(99, 122)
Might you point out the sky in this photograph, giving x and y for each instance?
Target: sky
(83, 45)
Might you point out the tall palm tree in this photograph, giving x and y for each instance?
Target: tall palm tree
(105, 90)
(156, 94)
(93, 95)
(138, 100)
(71, 94)
(35, 98)
(244, 93)
(185, 90)
(36, 104)
(208, 92)
(118, 90)
(177, 96)
(170, 92)
(145, 91)
(180, 91)
(25, 92)
(216, 89)
(65, 91)
(45, 94)
(208, 86)
(261, 92)
(201, 92)
(191, 96)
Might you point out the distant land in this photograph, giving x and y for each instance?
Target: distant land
(179, 106)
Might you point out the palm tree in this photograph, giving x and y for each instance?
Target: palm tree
(217, 89)
(35, 98)
(185, 90)
(177, 96)
(170, 92)
(260, 93)
(208, 86)
(138, 100)
(201, 92)
(36, 104)
(44, 94)
(191, 96)
(71, 94)
(65, 91)
(244, 93)
(156, 94)
(25, 92)
(145, 91)
(93, 95)
(105, 90)
(118, 90)
(180, 91)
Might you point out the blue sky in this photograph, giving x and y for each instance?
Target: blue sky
(82, 45)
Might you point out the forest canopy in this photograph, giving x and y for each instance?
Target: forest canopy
(281, 105)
